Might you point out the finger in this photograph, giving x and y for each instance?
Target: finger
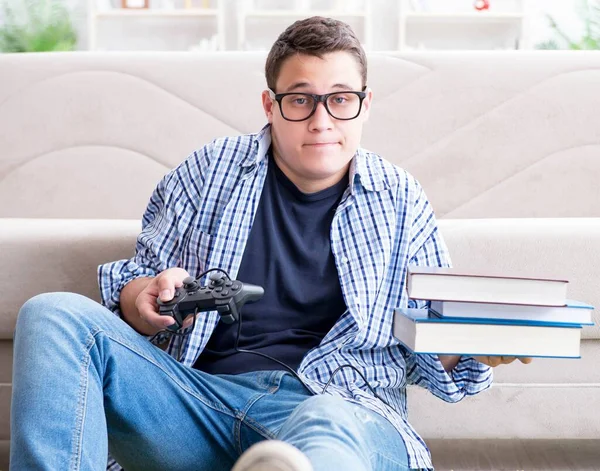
(166, 288)
(178, 283)
(158, 321)
(495, 361)
(507, 360)
(148, 312)
(146, 306)
(526, 360)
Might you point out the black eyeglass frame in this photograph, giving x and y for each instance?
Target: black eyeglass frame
(319, 99)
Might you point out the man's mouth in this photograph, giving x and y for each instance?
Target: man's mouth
(321, 144)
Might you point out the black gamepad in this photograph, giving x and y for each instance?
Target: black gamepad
(222, 294)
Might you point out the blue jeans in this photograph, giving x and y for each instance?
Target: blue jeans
(85, 384)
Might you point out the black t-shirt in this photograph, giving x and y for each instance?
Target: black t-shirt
(288, 253)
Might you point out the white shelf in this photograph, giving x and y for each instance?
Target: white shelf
(299, 9)
(471, 17)
(97, 15)
(462, 29)
(156, 13)
(301, 14)
(256, 27)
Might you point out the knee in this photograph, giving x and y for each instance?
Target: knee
(328, 412)
(326, 424)
(46, 308)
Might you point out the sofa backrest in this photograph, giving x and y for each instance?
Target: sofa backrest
(488, 134)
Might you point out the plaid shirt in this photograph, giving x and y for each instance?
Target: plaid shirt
(200, 216)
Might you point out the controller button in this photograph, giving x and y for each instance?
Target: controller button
(218, 289)
(225, 292)
(228, 284)
(235, 287)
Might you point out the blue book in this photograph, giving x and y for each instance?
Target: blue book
(574, 312)
(424, 332)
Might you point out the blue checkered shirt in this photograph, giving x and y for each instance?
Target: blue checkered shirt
(200, 216)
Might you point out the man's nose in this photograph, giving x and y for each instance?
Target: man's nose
(321, 119)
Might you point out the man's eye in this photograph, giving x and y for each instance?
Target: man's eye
(342, 99)
(300, 101)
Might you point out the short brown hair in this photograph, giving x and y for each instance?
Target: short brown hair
(315, 36)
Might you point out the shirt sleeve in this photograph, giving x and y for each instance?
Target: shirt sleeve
(469, 376)
(164, 224)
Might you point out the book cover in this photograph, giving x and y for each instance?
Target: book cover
(424, 333)
(574, 312)
(448, 284)
(450, 271)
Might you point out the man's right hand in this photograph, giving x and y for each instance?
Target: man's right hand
(162, 286)
(138, 301)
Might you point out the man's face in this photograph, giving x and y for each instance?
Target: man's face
(315, 153)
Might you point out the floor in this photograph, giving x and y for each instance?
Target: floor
(494, 455)
(515, 455)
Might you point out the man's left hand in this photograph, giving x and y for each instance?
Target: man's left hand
(501, 360)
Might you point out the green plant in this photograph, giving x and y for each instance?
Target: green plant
(36, 26)
(590, 15)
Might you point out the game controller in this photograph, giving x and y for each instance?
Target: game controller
(222, 294)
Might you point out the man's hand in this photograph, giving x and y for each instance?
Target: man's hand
(145, 317)
(500, 360)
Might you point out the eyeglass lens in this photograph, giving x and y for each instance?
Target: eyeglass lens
(340, 105)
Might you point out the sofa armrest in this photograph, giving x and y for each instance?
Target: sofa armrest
(565, 248)
(43, 255)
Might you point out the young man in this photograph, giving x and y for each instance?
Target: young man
(327, 228)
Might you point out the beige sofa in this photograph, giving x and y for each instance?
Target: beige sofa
(506, 145)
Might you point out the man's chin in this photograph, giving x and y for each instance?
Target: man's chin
(329, 150)
(325, 160)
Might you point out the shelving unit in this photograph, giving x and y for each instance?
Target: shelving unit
(297, 9)
(141, 13)
(96, 15)
(428, 29)
(479, 17)
(255, 24)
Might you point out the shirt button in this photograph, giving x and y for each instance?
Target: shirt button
(345, 260)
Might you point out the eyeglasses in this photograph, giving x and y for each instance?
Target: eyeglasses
(296, 106)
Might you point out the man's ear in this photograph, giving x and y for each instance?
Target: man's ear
(268, 105)
(367, 104)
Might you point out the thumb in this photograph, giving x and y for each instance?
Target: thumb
(166, 288)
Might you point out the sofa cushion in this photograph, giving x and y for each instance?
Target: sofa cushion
(41, 255)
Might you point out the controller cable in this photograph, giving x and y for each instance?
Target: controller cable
(190, 329)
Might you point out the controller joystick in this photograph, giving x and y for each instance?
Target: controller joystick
(217, 278)
(190, 284)
(224, 295)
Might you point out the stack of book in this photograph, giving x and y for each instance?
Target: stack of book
(490, 314)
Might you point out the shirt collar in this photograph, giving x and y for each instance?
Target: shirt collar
(364, 168)
(260, 147)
